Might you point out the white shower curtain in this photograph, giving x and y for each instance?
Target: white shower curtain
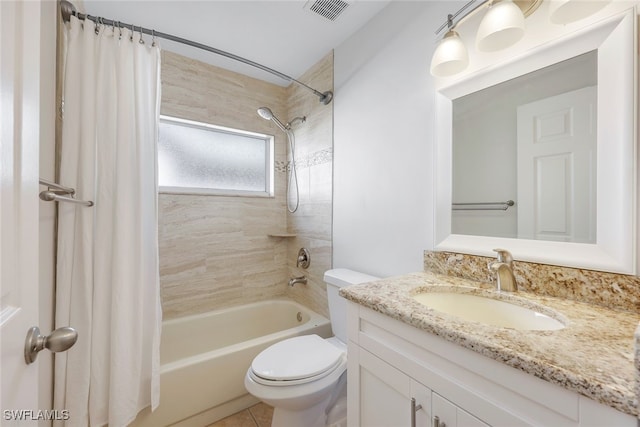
(107, 268)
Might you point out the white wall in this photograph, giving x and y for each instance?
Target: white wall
(383, 140)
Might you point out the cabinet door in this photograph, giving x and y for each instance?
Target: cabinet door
(450, 415)
(386, 393)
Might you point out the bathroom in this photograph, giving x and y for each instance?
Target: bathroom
(367, 172)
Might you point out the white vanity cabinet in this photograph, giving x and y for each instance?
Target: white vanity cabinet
(446, 414)
(391, 362)
(385, 395)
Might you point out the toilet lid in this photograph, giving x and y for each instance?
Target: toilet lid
(296, 358)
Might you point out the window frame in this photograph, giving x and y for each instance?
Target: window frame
(269, 161)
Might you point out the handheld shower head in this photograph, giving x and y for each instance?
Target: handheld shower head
(292, 179)
(267, 114)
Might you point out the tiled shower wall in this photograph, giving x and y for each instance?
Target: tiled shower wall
(314, 153)
(214, 250)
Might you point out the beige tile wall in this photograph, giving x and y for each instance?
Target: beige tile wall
(214, 251)
(312, 222)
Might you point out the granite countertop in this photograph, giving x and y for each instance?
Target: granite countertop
(595, 355)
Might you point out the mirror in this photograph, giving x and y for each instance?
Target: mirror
(524, 156)
(607, 242)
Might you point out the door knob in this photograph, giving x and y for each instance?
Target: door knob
(59, 340)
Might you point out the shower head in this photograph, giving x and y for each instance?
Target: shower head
(267, 114)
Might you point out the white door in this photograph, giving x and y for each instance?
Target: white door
(556, 168)
(20, 110)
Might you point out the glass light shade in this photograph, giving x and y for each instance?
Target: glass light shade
(450, 57)
(501, 27)
(567, 11)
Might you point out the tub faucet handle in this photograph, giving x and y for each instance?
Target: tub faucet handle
(304, 258)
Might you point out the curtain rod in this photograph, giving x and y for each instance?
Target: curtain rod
(68, 9)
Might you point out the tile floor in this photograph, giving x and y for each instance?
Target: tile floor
(258, 415)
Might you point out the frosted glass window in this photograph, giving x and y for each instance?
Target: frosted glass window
(200, 158)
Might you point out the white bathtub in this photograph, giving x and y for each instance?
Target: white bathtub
(204, 358)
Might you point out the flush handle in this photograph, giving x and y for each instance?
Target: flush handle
(62, 339)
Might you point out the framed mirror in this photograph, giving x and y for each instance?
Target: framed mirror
(547, 224)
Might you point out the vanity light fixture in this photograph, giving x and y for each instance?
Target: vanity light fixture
(567, 11)
(451, 56)
(501, 27)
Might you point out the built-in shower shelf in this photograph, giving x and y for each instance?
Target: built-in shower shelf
(282, 235)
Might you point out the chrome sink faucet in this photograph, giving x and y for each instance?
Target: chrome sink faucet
(503, 268)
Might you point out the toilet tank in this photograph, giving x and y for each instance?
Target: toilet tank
(336, 279)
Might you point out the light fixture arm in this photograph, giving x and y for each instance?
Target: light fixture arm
(450, 18)
(450, 21)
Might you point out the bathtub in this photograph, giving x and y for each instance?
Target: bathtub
(204, 357)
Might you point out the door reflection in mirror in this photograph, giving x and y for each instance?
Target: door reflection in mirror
(531, 139)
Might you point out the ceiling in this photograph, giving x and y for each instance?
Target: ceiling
(283, 35)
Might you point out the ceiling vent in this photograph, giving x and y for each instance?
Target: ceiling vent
(328, 9)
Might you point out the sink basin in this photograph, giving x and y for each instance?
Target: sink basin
(489, 311)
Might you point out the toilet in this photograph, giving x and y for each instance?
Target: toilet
(304, 378)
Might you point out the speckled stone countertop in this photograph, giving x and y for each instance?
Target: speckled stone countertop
(595, 355)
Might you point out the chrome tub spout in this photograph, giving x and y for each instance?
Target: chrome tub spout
(294, 280)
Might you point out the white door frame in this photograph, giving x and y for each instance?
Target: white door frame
(47, 212)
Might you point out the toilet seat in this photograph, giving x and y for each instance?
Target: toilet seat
(297, 360)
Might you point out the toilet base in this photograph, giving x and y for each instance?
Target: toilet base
(331, 411)
(337, 415)
(315, 416)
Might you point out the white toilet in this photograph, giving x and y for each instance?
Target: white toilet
(304, 378)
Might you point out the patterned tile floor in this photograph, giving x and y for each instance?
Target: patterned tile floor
(258, 415)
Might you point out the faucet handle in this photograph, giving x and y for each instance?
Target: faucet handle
(504, 256)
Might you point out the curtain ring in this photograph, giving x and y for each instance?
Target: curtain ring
(120, 31)
(132, 31)
(141, 41)
(153, 38)
(96, 28)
